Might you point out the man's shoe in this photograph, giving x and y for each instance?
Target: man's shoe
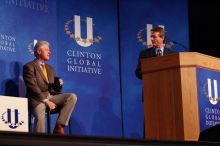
(59, 129)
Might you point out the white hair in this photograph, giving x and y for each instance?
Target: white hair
(38, 46)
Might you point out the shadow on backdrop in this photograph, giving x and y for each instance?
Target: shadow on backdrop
(105, 121)
(76, 127)
(15, 86)
(2, 76)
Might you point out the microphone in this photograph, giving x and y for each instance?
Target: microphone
(170, 44)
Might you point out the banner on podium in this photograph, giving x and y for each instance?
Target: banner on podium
(209, 100)
(14, 114)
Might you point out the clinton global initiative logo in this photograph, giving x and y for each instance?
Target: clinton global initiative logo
(11, 118)
(76, 35)
(208, 88)
(31, 47)
(7, 43)
(145, 33)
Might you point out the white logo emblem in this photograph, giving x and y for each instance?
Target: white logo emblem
(140, 35)
(213, 100)
(84, 42)
(31, 47)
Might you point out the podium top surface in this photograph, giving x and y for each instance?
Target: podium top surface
(182, 59)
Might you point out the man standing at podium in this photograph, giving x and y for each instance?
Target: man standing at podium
(39, 79)
(158, 48)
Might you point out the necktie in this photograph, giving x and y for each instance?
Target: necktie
(159, 52)
(44, 72)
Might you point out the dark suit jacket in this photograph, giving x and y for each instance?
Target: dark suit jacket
(37, 87)
(148, 53)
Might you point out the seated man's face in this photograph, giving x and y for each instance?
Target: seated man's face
(44, 53)
(156, 40)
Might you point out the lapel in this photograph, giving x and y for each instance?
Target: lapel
(165, 51)
(40, 71)
(152, 52)
(168, 51)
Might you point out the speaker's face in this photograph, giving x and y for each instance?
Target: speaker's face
(156, 40)
(44, 53)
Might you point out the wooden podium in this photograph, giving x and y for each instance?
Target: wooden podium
(170, 95)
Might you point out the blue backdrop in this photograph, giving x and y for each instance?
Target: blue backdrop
(134, 16)
(21, 24)
(85, 48)
(98, 111)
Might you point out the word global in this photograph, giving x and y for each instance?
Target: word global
(76, 61)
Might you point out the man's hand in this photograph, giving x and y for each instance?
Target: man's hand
(61, 82)
(51, 105)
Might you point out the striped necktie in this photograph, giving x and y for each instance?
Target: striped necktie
(44, 72)
(159, 52)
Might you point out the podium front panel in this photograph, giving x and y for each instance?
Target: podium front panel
(14, 114)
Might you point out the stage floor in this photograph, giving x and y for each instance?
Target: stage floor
(30, 139)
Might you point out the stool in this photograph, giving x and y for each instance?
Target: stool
(48, 112)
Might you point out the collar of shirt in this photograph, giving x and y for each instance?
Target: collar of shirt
(39, 62)
(162, 49)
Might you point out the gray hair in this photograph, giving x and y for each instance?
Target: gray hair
(38, 46)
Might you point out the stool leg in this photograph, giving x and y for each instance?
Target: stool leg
(48, 122)
(30, 118)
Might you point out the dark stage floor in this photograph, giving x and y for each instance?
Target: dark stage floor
(28, 139)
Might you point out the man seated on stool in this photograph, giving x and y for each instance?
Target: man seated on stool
(39, 81)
